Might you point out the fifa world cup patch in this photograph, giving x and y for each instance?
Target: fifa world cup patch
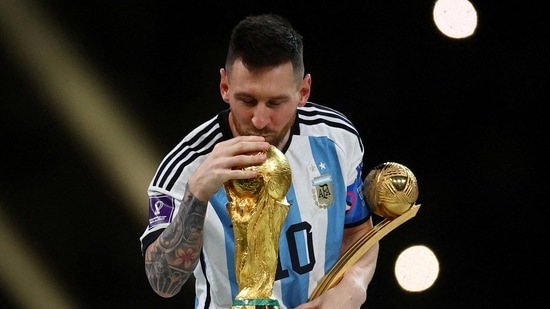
(161, 210)
(322, 191)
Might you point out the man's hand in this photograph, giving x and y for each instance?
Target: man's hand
(342, 296)
(221, 164)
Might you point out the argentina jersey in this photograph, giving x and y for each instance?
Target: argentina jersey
(325, 154)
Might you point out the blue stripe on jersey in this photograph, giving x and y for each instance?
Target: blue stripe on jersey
(219, 203)
(326, 158)
(297, 283)
(293, 283)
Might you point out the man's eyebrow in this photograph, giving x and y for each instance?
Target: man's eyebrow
(248, 95)
(243, 94)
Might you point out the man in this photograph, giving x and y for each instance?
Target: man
(189, 230)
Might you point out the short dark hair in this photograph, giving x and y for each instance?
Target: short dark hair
(265, 40)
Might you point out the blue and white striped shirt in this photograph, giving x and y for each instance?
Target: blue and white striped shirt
(325, 153)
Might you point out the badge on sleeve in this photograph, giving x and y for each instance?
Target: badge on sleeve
(161, 210)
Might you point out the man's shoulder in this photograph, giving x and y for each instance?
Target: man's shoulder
(314, 113)
(213, 129)
(320, 120)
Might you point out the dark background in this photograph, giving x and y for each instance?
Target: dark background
(466, 116)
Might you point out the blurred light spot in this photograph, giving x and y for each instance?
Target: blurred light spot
(416, 268)
(94, 117)
(82, 101)
(455, 18)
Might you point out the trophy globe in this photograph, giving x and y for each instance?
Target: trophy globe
(390, 189)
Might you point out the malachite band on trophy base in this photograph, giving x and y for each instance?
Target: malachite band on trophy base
(255, 304)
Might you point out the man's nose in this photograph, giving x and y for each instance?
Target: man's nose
(260, 118)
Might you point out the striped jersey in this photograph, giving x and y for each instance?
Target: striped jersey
(325, 153)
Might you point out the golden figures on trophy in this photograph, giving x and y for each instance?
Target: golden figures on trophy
(391, 191)
(258, 208)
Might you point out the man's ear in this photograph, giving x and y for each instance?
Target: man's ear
(305, 90)
(224, 85)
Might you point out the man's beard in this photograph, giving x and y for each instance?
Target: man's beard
(272, 137)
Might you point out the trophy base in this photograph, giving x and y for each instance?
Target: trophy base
(255, 304)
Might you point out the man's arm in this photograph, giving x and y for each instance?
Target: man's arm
(357, 279)
(172, 257)
(351, 291)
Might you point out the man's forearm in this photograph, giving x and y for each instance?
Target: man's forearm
(172, 257)
(358, 276)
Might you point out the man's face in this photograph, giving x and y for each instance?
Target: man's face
(263, 102)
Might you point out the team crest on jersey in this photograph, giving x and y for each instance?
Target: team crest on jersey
(323, 191)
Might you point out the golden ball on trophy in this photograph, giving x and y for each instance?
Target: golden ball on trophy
(390, 189)
(274, 173)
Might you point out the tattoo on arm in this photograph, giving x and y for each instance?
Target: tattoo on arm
(171, 259)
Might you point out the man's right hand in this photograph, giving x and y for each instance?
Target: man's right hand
(220, 165)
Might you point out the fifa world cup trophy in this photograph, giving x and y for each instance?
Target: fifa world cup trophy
(258, 208)
(391, 191)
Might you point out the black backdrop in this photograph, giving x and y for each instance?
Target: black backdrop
(464, 115)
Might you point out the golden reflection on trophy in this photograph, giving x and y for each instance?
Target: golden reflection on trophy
(257, 208)
(391, 191)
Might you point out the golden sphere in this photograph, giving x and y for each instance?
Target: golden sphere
(390, 189)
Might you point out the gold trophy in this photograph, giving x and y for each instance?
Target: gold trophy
(257, 208)
(391, 190)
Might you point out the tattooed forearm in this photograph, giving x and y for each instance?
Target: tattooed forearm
(170, 260)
